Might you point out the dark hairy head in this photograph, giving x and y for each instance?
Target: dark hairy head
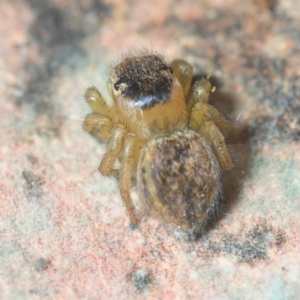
(146, 79)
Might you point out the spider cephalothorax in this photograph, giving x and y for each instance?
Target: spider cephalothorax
(166, 135)
(145, 81)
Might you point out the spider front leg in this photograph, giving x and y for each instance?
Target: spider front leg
(208, 121)
(184, 73)
(99, 123)
(199, 93)
(202, 112)
(211, 132)
(130, 156)
(114, 148)
(207, 125)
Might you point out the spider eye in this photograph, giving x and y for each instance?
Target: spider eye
(117, 85)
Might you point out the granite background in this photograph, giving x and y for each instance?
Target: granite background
(63, 227)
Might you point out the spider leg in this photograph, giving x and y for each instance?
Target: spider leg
(99, 123)
(203, 112)
(114, 148)
(212, 133)
(207, 120)
(184, 73)
(199, 93)
(130, 157)
(97, 103)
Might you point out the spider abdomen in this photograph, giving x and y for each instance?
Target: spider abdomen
(179, 181)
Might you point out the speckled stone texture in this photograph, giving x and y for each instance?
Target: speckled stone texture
(63, 228)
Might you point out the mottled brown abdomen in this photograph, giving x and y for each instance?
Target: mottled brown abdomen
(179, 181)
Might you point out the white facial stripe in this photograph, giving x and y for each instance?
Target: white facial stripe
(144, 101)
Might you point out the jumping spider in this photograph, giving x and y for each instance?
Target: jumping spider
(162, 130)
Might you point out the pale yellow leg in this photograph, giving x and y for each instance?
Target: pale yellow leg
(97, 103)
(114, 148)
(200, 93)
(130, 157)
(98, 125)
(184, 73)
(203, 112)
(211, 132)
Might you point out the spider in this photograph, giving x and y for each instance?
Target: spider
(162, 130)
